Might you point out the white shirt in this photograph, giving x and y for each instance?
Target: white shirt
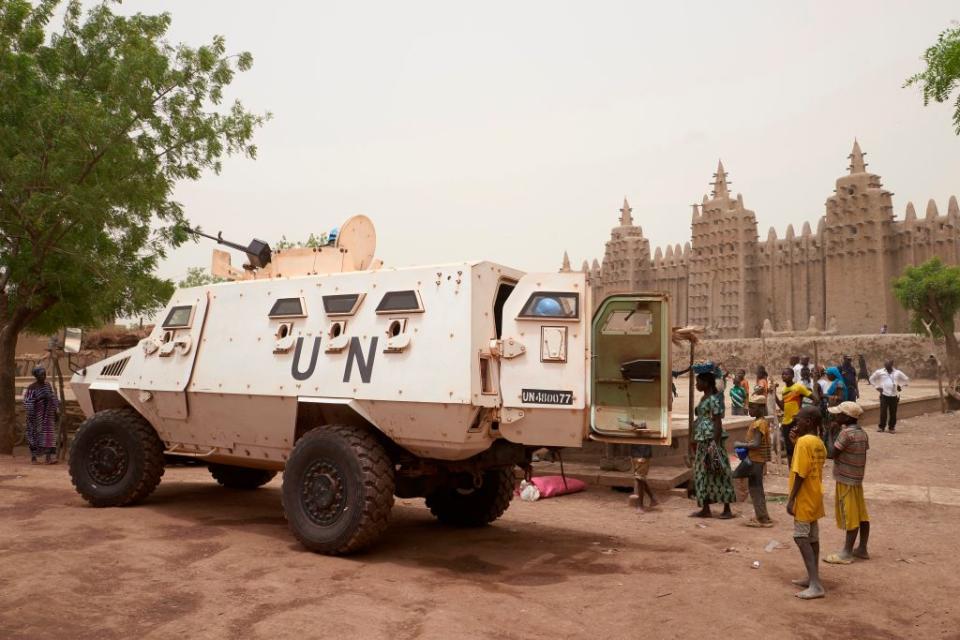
(888, 382)
(797, 368)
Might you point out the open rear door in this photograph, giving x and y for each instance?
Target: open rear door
(631, 375)
(543, 360)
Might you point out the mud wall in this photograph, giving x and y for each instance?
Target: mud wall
(910, 352)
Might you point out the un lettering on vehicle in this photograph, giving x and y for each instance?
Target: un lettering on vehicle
(546, 396)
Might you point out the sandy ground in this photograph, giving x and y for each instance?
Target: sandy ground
(199, 561)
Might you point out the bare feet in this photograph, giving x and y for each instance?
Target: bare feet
(802, 582)
(861, 553)
(811, 593)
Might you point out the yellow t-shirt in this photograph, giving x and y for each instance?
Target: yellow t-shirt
(809, 455)
(792, 397)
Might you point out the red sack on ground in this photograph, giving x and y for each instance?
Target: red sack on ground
(554, 485)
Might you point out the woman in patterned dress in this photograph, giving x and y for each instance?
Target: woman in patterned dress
(41, 408)
(712, 479)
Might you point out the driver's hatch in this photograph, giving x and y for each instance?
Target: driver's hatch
(630, 374)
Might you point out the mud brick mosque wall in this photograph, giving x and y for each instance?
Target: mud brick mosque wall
(909, 352)
(731, 282)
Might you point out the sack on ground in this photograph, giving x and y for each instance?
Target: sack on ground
(550, 486)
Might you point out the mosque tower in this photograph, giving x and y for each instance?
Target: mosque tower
(626, 260)
(722, 278)
(858, 256)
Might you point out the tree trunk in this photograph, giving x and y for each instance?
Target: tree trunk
(952, 364)
(8, 393)
(953, 353)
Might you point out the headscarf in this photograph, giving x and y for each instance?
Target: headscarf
(837, 383)
(706, 367)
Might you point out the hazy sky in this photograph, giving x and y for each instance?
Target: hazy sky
(511, 131)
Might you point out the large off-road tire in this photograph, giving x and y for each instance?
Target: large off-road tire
(116, 458)
(240, 477)
(338, 489)
(474, 507)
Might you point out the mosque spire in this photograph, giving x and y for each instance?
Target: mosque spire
(565, 267)
(720, 184)
(626, 220)
(857, 165)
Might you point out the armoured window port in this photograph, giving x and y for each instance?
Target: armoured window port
(396, 327)
(284, 330)
(285, 339)
(397, 337)
(167, 336)
(337, 329)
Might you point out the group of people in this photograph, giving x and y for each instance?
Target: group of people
(810, 385)
(818, 419)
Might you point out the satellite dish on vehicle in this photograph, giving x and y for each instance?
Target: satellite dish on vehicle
(72, 338)
(359, 238)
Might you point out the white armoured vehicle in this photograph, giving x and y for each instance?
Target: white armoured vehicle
(362, 383)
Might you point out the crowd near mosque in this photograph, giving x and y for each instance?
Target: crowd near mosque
(807, 413)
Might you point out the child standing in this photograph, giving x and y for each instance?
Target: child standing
(641, 454)
(758, 450)
(805, 503)
(738, 394)
(849, 464)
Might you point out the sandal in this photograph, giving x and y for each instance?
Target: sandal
(756, 524)
(834, 558)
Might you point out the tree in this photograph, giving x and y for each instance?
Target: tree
(942, 75)
(931, 292)
(313, 241)
(199, 277)
(98, 122)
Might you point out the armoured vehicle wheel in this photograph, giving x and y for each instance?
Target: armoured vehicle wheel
(116, 458)
(474, 507)
(240, 477)
(338, 489)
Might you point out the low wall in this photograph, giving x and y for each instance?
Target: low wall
(910, 352)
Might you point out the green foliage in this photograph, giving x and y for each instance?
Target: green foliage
(931, 292)
(942, 75)
(199, 277)
(313, 242)
(98, 122)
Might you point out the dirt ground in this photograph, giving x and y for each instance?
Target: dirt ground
(196, 560)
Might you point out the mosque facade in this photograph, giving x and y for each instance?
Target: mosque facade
(835, 279)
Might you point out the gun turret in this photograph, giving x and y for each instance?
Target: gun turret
(258, 251)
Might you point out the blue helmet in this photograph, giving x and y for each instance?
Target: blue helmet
(549, 307)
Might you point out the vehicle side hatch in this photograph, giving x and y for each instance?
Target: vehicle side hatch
(630, 374)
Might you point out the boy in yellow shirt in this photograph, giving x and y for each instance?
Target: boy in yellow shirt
(805, 503)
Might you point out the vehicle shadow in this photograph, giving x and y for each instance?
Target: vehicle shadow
(508, 553)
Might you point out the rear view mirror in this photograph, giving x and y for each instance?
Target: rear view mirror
(72, 338)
